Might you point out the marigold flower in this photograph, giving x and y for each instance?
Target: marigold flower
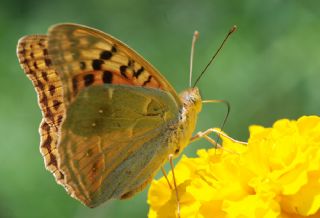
(276, 175)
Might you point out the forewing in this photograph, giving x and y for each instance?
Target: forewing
(85, 57)
(113, 139)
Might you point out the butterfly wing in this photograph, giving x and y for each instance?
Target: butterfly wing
(85, 56)
(122, 156)
(33, 57)
(113, 139)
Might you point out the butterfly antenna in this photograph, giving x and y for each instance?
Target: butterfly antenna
(232, 30)
(194, 39)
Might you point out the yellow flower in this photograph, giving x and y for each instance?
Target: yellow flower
(276, 175)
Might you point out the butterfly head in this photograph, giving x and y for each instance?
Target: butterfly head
(191, 99)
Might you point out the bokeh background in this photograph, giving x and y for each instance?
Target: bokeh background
(269, 69)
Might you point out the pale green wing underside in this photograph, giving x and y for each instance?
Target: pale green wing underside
(113, 139)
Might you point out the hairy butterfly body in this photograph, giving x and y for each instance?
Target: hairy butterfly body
(110, 119)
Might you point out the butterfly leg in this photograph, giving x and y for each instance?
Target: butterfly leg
(175, 184)
(219, 133)
(166, 177)
(205, 134)
(213, 142)
(174, 180)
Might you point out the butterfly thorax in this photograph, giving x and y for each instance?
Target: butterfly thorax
(192, 105)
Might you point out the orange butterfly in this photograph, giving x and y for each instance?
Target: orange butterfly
(110, 119)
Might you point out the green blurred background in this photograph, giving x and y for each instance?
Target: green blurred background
(269, 69)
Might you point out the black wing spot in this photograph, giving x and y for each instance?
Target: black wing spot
(147, 81)
(52, 89)
(123, 69)
(44, 76)
(53, 160)
(48, 62)
(107, 77)
(114, 49)
(47, 143)
(137, 73)
(40, 85)
(56, 104)
(25, 61)
(96, 64)
(105, 55)
(22, 51)
(44, 100)
(45, 52)
(88, 79)
(59, 119)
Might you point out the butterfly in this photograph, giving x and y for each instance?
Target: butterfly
(110, 119)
